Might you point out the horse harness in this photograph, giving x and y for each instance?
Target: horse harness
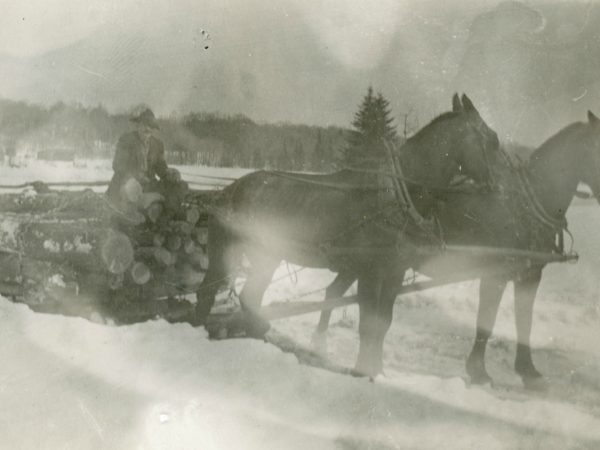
(535, 209)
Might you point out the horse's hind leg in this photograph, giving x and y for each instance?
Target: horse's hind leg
(525, 291)
(215, 277)
(490, 294)
(376, 303)
(222, 259)
(259, 278)
(337, 288)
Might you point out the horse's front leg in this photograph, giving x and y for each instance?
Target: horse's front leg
(490, 294)
(376, 296)
(525, 291)
(337, 288)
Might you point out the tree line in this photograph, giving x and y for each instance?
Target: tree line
(197, 138)
(64, 130)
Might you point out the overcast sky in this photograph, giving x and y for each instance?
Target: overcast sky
(312, 68)
(356, 30)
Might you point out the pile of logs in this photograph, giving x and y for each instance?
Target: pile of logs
(156, 241)
(150, 245)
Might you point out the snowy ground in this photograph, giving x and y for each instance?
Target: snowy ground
(67, 383)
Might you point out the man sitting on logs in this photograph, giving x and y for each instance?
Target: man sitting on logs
(140, 156)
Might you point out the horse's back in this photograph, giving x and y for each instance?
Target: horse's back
(287, 211)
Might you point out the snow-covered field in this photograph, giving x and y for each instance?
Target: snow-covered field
(101, 170)
(67, 383)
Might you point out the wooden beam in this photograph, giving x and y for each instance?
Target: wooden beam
(282, 310)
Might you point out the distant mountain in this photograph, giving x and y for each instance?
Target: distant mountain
(534, 69)
(280, 72)
(530, 69)
(266, 61)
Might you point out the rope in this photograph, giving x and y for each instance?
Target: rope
(58, 183)
(210, 177)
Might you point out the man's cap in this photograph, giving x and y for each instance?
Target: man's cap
(145, 117)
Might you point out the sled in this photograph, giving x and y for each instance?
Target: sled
(71, 252)
(74, 252)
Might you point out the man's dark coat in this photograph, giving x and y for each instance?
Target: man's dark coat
(129, 162)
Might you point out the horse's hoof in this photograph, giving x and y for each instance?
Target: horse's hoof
(217, 334)
(481, 380)
(477, 374)
(198, 319)
(364, 372)
(256, 328)
(319, 343)
(536, 384)
(359, 374)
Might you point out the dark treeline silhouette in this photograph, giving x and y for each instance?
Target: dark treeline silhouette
(74, 131)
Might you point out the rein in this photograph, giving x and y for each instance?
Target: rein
(338, 186)
(403, 195)
(536, 209)
(375, 187)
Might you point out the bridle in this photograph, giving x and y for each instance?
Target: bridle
(490, 182)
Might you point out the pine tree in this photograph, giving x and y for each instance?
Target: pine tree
(318, 154)
(298, 162)
(284, 161)
(372, 127)
(258, 161)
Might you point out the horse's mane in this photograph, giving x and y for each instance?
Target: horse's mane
(423, 132)
(555, 139)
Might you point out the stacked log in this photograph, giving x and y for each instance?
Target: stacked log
(166, 246)
(146, 247)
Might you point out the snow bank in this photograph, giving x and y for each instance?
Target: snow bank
(101, 170)
(69, 383)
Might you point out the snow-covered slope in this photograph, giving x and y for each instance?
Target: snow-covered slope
(70, 383)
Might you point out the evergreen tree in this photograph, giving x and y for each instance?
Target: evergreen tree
(372, 127)
(318, 154)
(258, 161)
(284, 162)
(298, 162)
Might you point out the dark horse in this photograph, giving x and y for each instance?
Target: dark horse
(274, 216)
(555, 169)
(527, 211)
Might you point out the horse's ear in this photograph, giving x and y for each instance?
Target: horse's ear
(592, 118)
(456, 104)
(468, 104)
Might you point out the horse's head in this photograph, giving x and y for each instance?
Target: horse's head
(456, 142)
(476, 144)
(590, 140)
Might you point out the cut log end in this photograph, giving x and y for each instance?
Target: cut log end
(199, 259)
(180, 227)
(192, 215)
(155, 211)
(131, 191)
(164, 256)
(173, 243)
(158, 240)
(201, 235)
(117, 253)
(189, 246)
(140, 273)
